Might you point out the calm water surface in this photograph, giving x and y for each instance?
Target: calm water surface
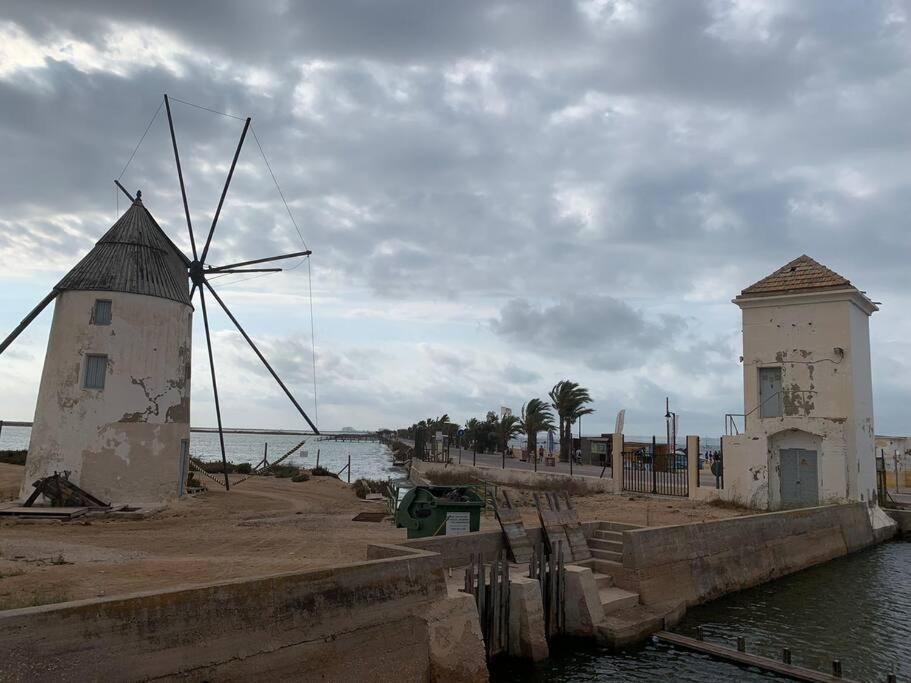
(857, 609)
(371, 460)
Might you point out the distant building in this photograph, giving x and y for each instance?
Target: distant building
(113, 407)
(806, 433)
(895, 452)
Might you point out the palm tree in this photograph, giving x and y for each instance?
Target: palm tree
(472, 431)
(507, 427)
(536, 417)
(569, 400)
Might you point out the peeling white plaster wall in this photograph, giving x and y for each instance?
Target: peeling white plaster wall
(800, 335)
(122, 443)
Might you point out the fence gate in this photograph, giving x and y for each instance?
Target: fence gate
(653, 469)
(550, 571)
(490, 587)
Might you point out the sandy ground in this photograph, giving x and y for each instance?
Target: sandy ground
(262, 526)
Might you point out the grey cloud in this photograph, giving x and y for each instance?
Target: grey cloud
(607, 332)
(500, 152)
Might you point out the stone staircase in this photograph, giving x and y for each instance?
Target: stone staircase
(625, 620)
(606, 545)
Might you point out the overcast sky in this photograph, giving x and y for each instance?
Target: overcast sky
(498, 195)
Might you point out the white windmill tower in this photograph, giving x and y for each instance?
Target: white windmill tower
(113, 409)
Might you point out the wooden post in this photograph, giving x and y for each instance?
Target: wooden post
(786, 655)
(699, 633)
(741, 644)
(493, 624)
(836, 668)
(349, 468)
(317, 458)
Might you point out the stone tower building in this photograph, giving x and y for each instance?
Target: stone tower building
(807, 392)
(114, 400)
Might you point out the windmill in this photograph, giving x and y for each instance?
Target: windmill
(138, 244)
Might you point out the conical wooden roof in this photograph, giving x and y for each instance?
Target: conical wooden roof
(134, 256)
(803, 274)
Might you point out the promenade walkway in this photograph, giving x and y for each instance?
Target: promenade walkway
(465, 456)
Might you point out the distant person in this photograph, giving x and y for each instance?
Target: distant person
(578, 456)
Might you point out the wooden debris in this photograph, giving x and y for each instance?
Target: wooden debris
(63, 493)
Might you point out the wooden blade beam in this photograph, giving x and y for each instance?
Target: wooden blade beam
(28, 320)
(221, 201)
(221, 436)
(261, 357)
(183, 190)
(217, 269)
(124, 190)
(247, 270)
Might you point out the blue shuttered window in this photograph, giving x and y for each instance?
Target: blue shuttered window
(95, 369)
(102, 313)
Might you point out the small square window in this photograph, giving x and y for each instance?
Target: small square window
(95, 370)
(102, 313)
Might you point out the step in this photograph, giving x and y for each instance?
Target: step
(600, 544)
(614, 599)
(605, 566)
(607, 555)
(617, 526)
(603, 580)
(603, 535)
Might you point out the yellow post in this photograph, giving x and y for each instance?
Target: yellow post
(617, 461)
(692, 464)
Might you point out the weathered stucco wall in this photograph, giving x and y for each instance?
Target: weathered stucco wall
(421, 470)
(821, 344)
(746, 471)
(358, 622)
(702, 561)
(121, 443)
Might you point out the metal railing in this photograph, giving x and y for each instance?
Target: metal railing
(730, 422)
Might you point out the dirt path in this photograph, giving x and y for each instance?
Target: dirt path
(263, 526)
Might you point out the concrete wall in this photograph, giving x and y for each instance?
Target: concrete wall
(456, 551)
(703, 561)
(826, 395)
(121, 443)
(426, 471)
(363, 621)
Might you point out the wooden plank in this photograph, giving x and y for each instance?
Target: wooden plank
(550, 523)
(578, 544)
(44, 511)
(511, 523)
(797, 673)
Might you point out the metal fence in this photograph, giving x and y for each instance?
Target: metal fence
(648, 469)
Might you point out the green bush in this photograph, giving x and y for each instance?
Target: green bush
(320, 471)
(13, 457)
(300, 476)
(364, 486)
(283, 471)
(244, 468)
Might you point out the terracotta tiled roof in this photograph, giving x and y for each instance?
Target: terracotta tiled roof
(134, 256)
(803, 274)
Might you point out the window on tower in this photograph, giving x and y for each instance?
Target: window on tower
(102, 313)
(95, 370)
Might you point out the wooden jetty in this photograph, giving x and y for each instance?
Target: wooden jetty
(740, 656)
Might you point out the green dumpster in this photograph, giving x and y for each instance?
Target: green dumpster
(439, 510)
